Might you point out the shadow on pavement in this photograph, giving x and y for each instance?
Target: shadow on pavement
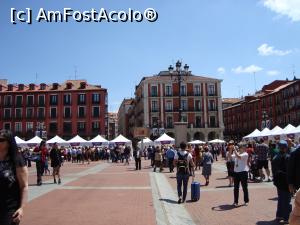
(168, 201)
(32, 185)
(273, 199)
(224, 186)
(224, 207)
(272, 222)
(222, 178)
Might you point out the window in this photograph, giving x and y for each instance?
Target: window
(198, 105)
(53, 127)
(18, 113)
(81, 99)
(81, 126)
(67, 112)
(198, 122)
(7, 126)
(7, 100)
(211, 90)
(19, 100)
(155, 122)
(53, 113)
(18, 127)
(154, 92)
(184, 105)
(67, 99)
(41, 113)
(41, 100)
(197, 90)
(154, 106)
(183, 90)
(53, 100)
(168, 90)
(96, 112)
(30, 100)
(212, 121)
(169, 122)
(212, 105)
(95, 126)
(95, 98)
(169, 106)
(29, 126)
(29, 113)
(81, 111)
(184, 118)
(67, 127)
(7, 113)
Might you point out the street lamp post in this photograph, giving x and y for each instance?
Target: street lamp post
(180, 76)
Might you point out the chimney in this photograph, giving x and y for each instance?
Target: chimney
(82, 85)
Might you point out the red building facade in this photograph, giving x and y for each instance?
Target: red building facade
(278, 103)
(67, 109)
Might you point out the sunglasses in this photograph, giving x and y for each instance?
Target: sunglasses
(3, 140)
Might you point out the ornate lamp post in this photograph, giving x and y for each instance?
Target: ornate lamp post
(179, 76)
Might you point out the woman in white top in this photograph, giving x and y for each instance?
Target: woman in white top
(241, 173)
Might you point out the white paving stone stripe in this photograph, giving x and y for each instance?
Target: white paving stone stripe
(103, 188)
(176, 214)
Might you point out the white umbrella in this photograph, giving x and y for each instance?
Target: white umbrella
(34, 141)
(99, 140)
(165, 139)
(20, 142)
(77, 140)
(196, 142)
(57, 140)
(216, 141)
(120, 140)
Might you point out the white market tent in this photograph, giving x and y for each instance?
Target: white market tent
(57, 140)
(146, 141)
(289, 129)
(20, 142)
(276, 131)
(121, 140)
(216, 141)
(165, 139)
(265, 133)
(252, 135)
(196, 142)
(77, 140)
(34, 141)
(99, 140)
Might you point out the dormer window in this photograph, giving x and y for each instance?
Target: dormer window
(82, 85)
(69, 85)
(21, 87)
(42, 86)
(54, 86)
(1, 87)
(10, 87)
(31, 87)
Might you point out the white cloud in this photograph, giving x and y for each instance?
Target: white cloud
(249, 69)
(289, 8)
(221, 70)
(267, 50)
(273, 72)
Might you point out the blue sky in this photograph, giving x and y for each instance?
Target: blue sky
(226, 39)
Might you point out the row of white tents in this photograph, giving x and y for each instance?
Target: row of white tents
(276, 133)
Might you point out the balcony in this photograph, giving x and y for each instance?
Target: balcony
(155, 110)
(212, 94)
(41, 104)
(7, 104)
(212, 126)
(169, 110)
(212, 109)
(18, 117)
(169, 126)
(168, 95)
(154, 95)
(41, 117)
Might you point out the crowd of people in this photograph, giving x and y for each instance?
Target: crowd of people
(244, 161)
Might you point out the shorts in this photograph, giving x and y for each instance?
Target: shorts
(263, 164)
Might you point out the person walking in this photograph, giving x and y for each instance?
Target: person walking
(138, 153)
(262, 151)
(55, 157)
(207, 163)
(240, 173)
(158, 160)
(182, 161)
(280, 180)
(126, 155)
(294, 170)
(170, 157)
(40, 153)
(198, 157)
(230, 162)
(13, 181)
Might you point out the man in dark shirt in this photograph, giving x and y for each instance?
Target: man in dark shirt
(294, 170)
(262, 151)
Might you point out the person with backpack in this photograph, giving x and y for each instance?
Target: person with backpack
(182, 161)
(207, 163)
(280, 180)
(55, 156)
(170, 156)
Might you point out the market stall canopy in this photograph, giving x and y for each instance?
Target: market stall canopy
(146, 141)
(216, 141)
(34, 141)
(196, 142)
(99, 140)
(254, 134)
(265, 133)
(165, 139)
(57, 140)
(289, 129)
(77, 140)
(276, 131)
(20, 141)
(120, 140)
